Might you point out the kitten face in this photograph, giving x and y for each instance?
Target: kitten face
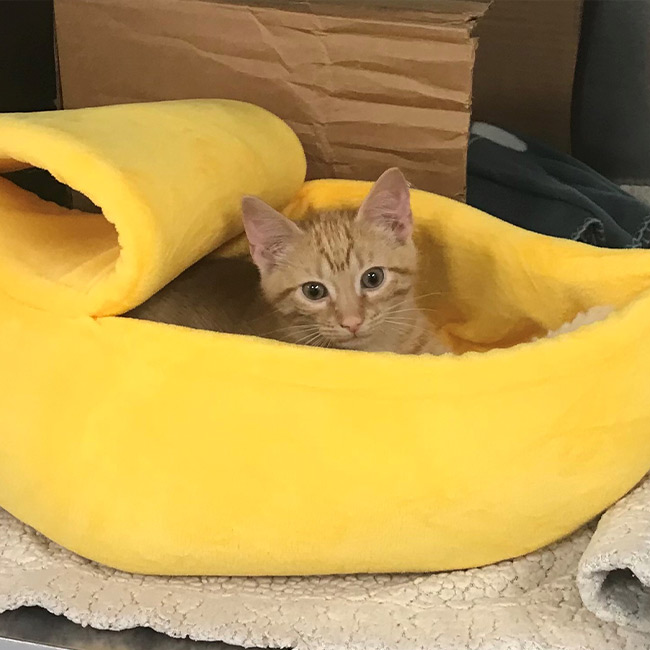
(339, 279)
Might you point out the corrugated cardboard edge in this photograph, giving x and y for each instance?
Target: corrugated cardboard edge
(364, 88)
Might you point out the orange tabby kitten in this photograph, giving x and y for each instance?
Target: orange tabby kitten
(337, 279)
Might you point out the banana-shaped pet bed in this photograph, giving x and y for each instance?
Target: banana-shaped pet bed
(159, 449)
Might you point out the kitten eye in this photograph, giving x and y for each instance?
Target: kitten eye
(372, 278)
(314, 290)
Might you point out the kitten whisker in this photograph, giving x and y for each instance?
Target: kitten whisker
(431, 293)
(309, 339)
(403, 311)
(398, 321)
(297, 329)
(400, 327)
(403, 321)
(394, 309)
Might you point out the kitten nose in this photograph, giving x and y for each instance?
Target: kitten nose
(352, 323)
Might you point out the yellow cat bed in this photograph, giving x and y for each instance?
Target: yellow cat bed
(157, 449)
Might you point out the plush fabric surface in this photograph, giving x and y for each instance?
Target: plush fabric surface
(157, 449)
(168, 176)
(530, 603)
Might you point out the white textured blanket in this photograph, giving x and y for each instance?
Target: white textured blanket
(531, 603)
(614, 572)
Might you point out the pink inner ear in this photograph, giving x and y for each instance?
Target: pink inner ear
(269, 233)
(388, 205)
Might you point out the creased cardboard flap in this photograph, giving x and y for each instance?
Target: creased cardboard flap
(365, 88)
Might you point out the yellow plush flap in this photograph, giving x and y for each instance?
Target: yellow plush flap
(158, 449)
(168, 176)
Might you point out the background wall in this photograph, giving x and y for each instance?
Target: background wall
(611, 111)
(27, 72)
(28, 77)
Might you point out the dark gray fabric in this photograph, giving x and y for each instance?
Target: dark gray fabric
(611, 110)
(549, 192)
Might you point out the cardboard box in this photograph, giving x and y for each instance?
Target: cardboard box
(365, 86)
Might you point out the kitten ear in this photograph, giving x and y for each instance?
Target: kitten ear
(388, 205)
(269, 233)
